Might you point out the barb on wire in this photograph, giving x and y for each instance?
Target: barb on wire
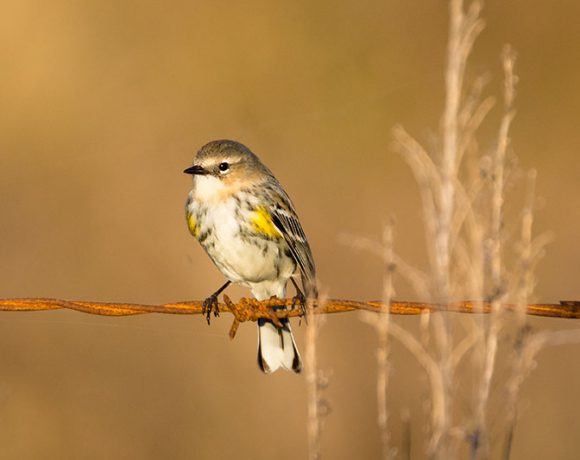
(251, 310)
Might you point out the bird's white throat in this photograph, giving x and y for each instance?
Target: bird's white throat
(210, 189)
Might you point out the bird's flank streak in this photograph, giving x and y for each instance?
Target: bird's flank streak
(192, 225)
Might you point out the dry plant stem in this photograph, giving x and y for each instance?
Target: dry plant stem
(428, 180)
(534, 345)
(382, 328)
(382, 384)
(526, 282)
(524, 351)
(463, 29)
(465, 234)
(430, 366)
(311, 373)
(383, 349)
(453, 86)
(496, 257)
(531, 345)
(472, 115)
(440, 190)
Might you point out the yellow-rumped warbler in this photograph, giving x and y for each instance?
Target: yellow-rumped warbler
(246, 223)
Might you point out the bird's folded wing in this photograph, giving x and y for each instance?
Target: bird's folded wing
(285, 219)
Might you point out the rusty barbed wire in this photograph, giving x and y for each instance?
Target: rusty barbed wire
(251, 310)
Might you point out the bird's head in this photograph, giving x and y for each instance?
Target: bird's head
(223, 167)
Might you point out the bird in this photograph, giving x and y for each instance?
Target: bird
(246, 223)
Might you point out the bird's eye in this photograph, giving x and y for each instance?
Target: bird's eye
(223, 167)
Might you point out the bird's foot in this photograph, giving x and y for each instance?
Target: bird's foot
(299, 300)
(210, 305)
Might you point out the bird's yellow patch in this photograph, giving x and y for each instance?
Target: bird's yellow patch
(192, 225)
(262, 223)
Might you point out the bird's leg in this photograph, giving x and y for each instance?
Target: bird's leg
(211, 303)
(299, 298)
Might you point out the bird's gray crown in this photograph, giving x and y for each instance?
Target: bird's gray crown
(233, 152)
(224, 147)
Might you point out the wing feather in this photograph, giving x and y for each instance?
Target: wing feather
(286, 220)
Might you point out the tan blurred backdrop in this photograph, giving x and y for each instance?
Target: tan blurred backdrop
(104, 103)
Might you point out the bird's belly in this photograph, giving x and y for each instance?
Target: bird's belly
(243, 261)
(242, 257)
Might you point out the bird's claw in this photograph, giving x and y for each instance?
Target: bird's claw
(210, 305)
(299, 300)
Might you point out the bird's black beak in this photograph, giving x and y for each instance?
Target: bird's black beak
(195, 169)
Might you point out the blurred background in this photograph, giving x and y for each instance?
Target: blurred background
(104, 103)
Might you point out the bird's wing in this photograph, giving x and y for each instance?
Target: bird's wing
(286, 221)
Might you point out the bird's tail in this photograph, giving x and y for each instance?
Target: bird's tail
(276, 347)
